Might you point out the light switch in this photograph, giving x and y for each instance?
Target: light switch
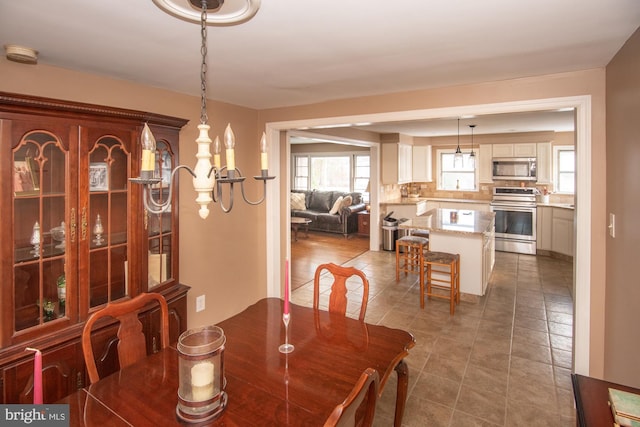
(200, 303)
(612, 225)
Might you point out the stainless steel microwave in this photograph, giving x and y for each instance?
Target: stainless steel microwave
(514, 168)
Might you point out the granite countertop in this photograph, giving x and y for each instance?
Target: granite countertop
(468, 221)
(416, 200)
(557, 205)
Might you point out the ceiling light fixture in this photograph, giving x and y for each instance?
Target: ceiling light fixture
(457, 158)
(472, 155)
(207, 178)
(22, 54)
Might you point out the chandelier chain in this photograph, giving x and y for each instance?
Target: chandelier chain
(203, 67)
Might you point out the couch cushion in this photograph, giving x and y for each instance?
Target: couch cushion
(298, 201)
(337, 205)
(321, 201)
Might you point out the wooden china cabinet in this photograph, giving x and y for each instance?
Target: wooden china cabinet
(74, 236)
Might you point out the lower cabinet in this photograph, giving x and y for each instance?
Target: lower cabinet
(63, 368)
(554, 230)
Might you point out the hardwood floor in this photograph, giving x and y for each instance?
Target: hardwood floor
(319, 248)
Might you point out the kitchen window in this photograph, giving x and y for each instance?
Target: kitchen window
(451, 178)
(564, 157)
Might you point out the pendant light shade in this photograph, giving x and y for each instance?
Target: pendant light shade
(472, 155)
(457, 158)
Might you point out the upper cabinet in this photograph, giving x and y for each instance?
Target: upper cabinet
(544, 163)
(421, 163)
(514, 150)
(74, 233)
(485, 165)
(397, 163)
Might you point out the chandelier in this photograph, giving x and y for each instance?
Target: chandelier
(208, 179)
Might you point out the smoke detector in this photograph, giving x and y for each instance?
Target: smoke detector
(24, 55)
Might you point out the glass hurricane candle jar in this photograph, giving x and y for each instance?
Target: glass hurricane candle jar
(201, 395)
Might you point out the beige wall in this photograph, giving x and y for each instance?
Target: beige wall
(588, 82)
(223, 257)
(623, 199)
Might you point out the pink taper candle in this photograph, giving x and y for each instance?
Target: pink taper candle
(37, 377)
(286, 287)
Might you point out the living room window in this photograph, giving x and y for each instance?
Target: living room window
(452, 178)
(564, 157)
(337, 172)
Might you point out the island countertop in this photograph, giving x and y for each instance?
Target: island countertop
(444, 220)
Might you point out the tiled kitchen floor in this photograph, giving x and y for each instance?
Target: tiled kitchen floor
(502, 360)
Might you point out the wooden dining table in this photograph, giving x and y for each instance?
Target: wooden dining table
(264, 387)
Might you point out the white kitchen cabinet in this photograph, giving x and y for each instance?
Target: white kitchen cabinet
(544, 231)
(544, 156)
(562, 231)
(397, 164)
(514, 150)
(524, 150)
(485, 164)
(408, 210)
(421, 160)
(502, 150)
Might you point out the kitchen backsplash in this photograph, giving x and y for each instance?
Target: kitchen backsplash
(428, 189)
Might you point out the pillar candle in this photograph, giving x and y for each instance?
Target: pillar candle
(286, 287)
(37, 376)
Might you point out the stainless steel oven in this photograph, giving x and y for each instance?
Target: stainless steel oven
(515, 209)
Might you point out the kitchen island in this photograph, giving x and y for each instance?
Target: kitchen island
(469, 233)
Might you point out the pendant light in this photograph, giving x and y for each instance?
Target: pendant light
(457, 158)
(472, 155)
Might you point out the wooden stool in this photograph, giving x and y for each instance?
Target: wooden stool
(410, 249)
(448, 277)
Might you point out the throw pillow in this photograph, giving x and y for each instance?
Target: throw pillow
(336, 206)
(297, 201)
(346, 201)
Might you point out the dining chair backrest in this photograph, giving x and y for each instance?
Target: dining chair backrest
(338, 297)
(131, 340)
(358, 409)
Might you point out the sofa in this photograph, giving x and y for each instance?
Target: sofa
(330, 211)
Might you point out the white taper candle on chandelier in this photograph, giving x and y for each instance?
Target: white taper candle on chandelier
(230, 143)
(148, 153)
(264, 162)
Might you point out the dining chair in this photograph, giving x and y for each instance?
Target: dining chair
(364, 394)
(338, 296)
(131, 340)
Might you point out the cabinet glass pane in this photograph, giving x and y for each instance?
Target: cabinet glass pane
(39, 229)
(160, 226)
(107, 221)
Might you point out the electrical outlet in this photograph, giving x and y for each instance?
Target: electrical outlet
(612, 225)
(200, 303)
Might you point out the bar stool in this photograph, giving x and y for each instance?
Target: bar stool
(446, 276)
(410, 249)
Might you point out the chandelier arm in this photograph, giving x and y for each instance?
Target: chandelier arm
(264, 193)
(222, 206)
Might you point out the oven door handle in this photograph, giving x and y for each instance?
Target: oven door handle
(513, 208)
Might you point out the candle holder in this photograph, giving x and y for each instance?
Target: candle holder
(98, 229)
(286, 347)
(35, 240)
(201, 395)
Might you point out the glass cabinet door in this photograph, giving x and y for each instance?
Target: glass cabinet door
(160, 227)
(40, 233)
(105, 222)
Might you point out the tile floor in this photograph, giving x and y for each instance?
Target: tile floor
(503, 359)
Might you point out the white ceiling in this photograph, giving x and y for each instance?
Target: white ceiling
(296, 52)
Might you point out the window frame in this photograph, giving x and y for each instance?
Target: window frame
(309, 178)
(439, 171)
(557, 149)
